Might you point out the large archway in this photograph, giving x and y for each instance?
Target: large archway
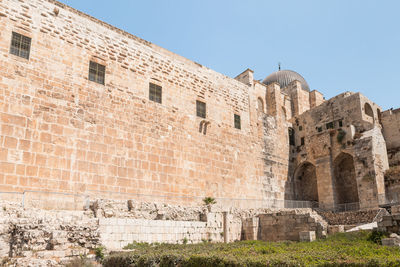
(305, 182)
(346, 190)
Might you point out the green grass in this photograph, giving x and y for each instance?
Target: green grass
(350, 249)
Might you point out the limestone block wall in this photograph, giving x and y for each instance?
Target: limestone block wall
(288, 225)
(117, 233)
(61, 132)
(390, 120)
(30, 235)
(251, 228)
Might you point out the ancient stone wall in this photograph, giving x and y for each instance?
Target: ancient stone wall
(342, 142)
(287, 225)
(35, 236)
(390, 120)
(61, 132)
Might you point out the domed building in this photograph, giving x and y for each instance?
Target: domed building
(285, 77)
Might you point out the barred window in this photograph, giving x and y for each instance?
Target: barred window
(200, 109)
(237, 122)
(97, 72)
(155, 93)
(330, 125)
(20, 45)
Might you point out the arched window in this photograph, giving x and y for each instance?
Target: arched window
(260, 106)
(368, 110)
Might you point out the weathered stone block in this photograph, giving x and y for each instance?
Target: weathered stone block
(390, 241)
(307, 236)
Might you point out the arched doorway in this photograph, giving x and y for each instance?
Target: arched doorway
(346, 190)
(305, 182)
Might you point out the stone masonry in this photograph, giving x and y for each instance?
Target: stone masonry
(66, 139)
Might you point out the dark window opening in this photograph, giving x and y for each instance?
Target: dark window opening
(340, 123)
(155, 93)
(97, 72)
(200, 109)
(330, 125)
(292, 140)
(302, 141)
(300, 128)
(319, 129)
(20, 45)
(237, 121)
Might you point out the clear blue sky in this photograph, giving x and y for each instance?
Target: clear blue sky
(337, 45)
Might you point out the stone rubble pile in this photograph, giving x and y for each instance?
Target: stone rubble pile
(349, 217)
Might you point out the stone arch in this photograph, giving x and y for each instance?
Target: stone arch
(260, 106)
(368, 110)
(305, 182)
(345, 182)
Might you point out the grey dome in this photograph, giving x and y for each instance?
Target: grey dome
(285, 77)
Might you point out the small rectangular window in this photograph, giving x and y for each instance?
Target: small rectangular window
(237, 122)
(300, 128)
(330, 125)
(340, 123)
(155, 93)
(200, 109)
(20, 45)
(302, 141)
(97, 72)
(319, 129)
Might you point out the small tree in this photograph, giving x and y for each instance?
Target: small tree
(208, 201)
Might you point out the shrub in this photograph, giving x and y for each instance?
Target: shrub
(99, 252)
(340, 136)
(80, 262)
(136, 245)
(376, 237)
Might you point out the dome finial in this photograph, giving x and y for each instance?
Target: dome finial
(279, 66)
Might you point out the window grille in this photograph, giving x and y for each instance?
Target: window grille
(330, 125)
(237, 122)
(20, 45)
(201, 109)
(97, 72)
(155, 93)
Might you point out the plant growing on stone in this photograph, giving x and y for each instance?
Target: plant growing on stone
(209, 201)
(340, 136)
(185, 240)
